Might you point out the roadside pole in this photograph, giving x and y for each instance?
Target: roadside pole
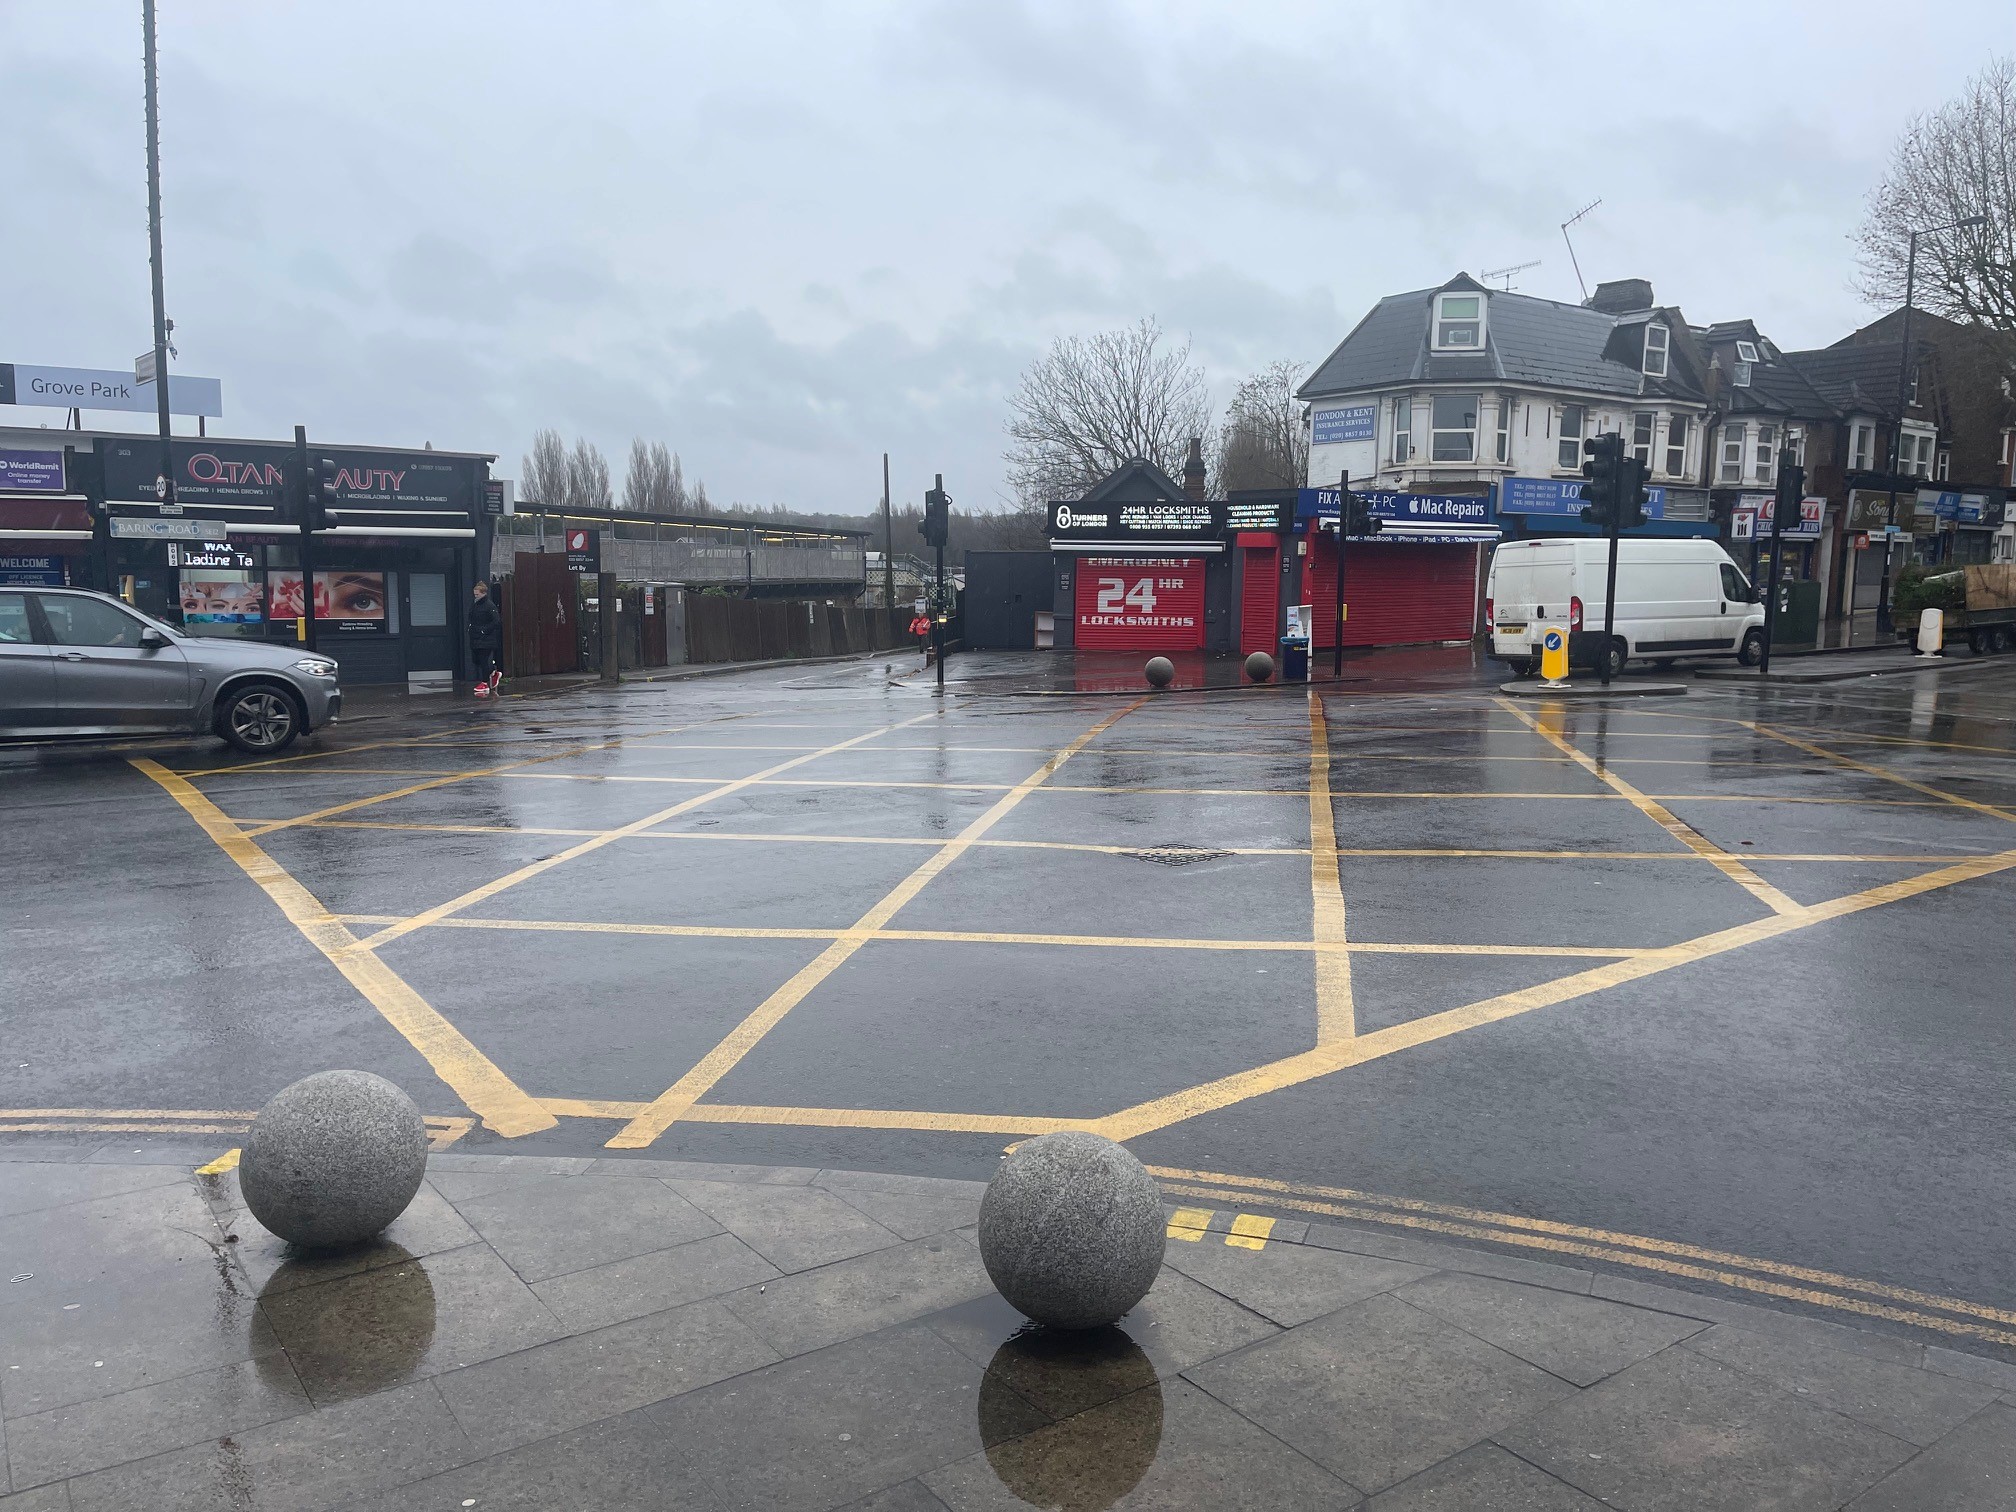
(605, 592)
(888, 545)
(1610, 598)
(310, 518)
(1337, 618)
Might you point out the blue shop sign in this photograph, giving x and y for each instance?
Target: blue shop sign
(31, 572)
(31, 471)
(1415, 509)
(1558, 496)
(1354, 422)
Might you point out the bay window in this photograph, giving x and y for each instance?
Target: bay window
(1644, 424)
(1403, 428)
(1861, 446)
(1453, 428)
(1733, 439)
(1767, 453)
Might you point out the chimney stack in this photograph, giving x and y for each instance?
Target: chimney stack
(1193, 470)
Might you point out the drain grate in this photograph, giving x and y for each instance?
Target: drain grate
(1176, 855)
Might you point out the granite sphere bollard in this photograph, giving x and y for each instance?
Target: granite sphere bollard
(1259, 667)
(333, 1159)
(1072, 1230)
(1160, 671)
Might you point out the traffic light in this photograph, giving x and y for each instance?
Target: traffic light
(1633, 496)
(937, 511)
(312, 478)
(1791, 491)
(1359, 520)
(1604, 472)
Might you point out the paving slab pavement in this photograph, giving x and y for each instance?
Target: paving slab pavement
(541, 1332)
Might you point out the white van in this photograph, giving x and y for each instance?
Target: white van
(1675, 597)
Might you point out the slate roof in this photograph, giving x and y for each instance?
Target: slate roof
(1527, 340)
(1862, 378)
(1135, 481)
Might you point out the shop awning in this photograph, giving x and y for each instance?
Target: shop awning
(431, 532)
(1139, 548)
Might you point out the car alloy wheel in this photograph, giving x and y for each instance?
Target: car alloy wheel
(262, 719)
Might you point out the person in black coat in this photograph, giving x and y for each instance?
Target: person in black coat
(486, 638)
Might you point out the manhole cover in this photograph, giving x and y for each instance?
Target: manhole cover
(1176, 855)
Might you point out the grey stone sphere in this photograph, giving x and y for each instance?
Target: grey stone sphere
(1259, 667)
(1071, 1230)
(333, 1159)
(1160, 671)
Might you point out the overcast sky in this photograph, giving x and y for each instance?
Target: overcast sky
(784, 238)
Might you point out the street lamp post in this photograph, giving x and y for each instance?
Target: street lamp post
(167, 492)
(1884, 624)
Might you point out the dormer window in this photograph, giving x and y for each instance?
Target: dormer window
(1459, 322)
(1746, 351)
(1656, 339)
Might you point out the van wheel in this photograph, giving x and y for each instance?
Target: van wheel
(1525, 667)
(259, 719)
(1998, 639)
(1752, 650)
(1615, 655)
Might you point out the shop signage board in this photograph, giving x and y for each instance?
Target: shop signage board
(1113, 521)
(1273, 515)
(105, 389)
(1353, 422)
(1559, 496)
(1412, 509)
(584, 551)
(212, 554)
(255, 472)
(127, 529)
(31, 572)
(31, 471)
(1140, 603)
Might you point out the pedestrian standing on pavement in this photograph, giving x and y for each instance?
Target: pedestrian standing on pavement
(486, 638)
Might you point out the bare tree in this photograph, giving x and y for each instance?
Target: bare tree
(543, 473)
(651, 481)
(1091, 403)
(700, 503)
(1264, 441)
(678, 499)
(1954, 164)
(587, 476)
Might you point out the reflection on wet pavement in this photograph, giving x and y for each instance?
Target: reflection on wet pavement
(336, 1343)
(1089, 1461)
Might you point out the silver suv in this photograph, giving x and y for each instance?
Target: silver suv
(77, 663)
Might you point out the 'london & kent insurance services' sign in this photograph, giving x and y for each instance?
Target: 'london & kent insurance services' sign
(1115, 520)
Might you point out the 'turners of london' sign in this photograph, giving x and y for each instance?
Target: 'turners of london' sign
(1162, 520)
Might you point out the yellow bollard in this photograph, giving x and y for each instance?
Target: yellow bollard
(1554, 655)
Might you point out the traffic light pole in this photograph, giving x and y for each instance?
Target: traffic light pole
(1771, 599)
(938, 620)
(1609, 603)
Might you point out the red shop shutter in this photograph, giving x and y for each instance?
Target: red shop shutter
(1260, 601)
(1397, 595)
(1140, 603)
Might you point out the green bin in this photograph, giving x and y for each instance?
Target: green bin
(1798, 626)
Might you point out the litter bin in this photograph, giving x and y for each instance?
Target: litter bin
(1294, 659)
(1798, 626)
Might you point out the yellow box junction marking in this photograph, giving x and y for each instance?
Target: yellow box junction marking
(1336, 1016)
(525, 873)
(500, 1102)
(1548, 729)
(673, 1103)
(228, 1161)
(1189, 1223)
(1883, 772)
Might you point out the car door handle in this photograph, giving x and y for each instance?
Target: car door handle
(70, 656)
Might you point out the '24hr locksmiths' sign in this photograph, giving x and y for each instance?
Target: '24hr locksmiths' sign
(1163, 520)
(241, 472)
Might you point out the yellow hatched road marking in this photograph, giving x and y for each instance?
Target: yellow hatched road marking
(671, 1104)
(525, 873)
(1336, 1016)
(1002, 937)
(1325, 1059)
(488, 1092)
(1884, 772)
(1730, 866)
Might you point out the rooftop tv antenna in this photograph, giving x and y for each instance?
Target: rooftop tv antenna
(1571, 245)
(1507, 273)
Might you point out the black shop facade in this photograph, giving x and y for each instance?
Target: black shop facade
(390, 568)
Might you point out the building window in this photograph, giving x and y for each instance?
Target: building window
(1676, 446)
(1795, 444)
(1733, 437)
(1656, 338)
(1507, 404)
(1914, 385)
(1454, 428)
(1916, 456)
(1459, 322)
(1568, 454)
(1862, 442)
(1945, 466)
(1767, 452)
(1403, 429)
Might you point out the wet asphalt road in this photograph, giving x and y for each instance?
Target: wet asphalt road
(841, 923)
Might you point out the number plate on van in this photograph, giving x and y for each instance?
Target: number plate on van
(1512, 627)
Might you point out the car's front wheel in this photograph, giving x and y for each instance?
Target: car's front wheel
(259, 719)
